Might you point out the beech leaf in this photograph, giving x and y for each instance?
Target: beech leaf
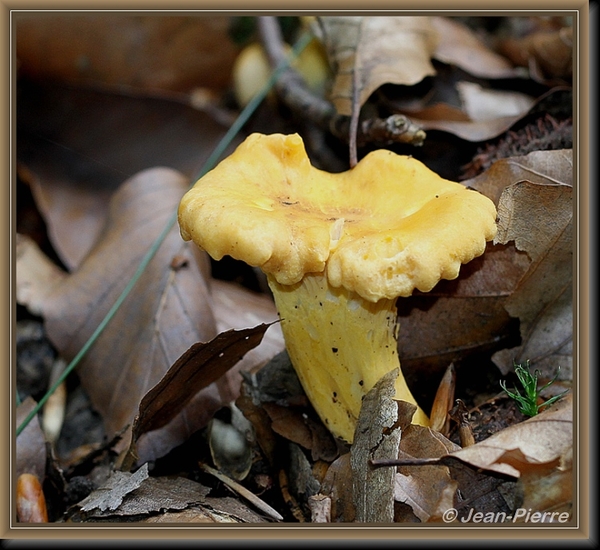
(171, 305)
(458, 45)
(539, 219)
(156, 322)
(167, 311)
(424, 488)
(523, 447)
(495, 120)
(528, 280)
(549, 488)
(544, 167)
(36, 274)
(201, 365)
(216, 510)
(367, 52)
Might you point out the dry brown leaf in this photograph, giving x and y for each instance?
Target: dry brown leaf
(483, 104)
(543, 167)
(539, 219)
(238, 308)
(424, 488)
(125, 495)
(167, 52)
(458, 45)
(79, 145)
(547, 54)
(337, 485)
(460, 317)
(467, 479)
(36, 276)
(437, 117)
(524, 447)
(473, 312)
(480, 130)
(110, 495)
(289, 423)
(367, 52)
(549, 488)
(168, 310)
(216, 510)
(200, 366)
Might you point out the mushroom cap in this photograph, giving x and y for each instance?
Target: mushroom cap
(381, 229)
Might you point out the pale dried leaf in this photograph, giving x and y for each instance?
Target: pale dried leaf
(111, 494)
(194, 515)
(522, 447)
(36, 274)
(543, 167)
(425, 489)
(367, 52)
(337, 485)
(449, 120)
(422, 487)
(458, 45)
(473, 131)
(550, 488)
(523, 206)
(445, 502)
(214, 510)
(483, 104)
(539, 219)
(167, 311)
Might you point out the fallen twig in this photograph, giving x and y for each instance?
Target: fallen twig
(293, 92)
(243, 492)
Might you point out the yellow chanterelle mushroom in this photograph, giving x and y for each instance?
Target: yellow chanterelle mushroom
(337, 249)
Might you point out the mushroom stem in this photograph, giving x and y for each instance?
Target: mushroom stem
(340, 345)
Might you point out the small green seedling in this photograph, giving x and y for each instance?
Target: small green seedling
(528, 403)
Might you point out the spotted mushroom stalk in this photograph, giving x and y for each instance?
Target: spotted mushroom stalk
(337, 250)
